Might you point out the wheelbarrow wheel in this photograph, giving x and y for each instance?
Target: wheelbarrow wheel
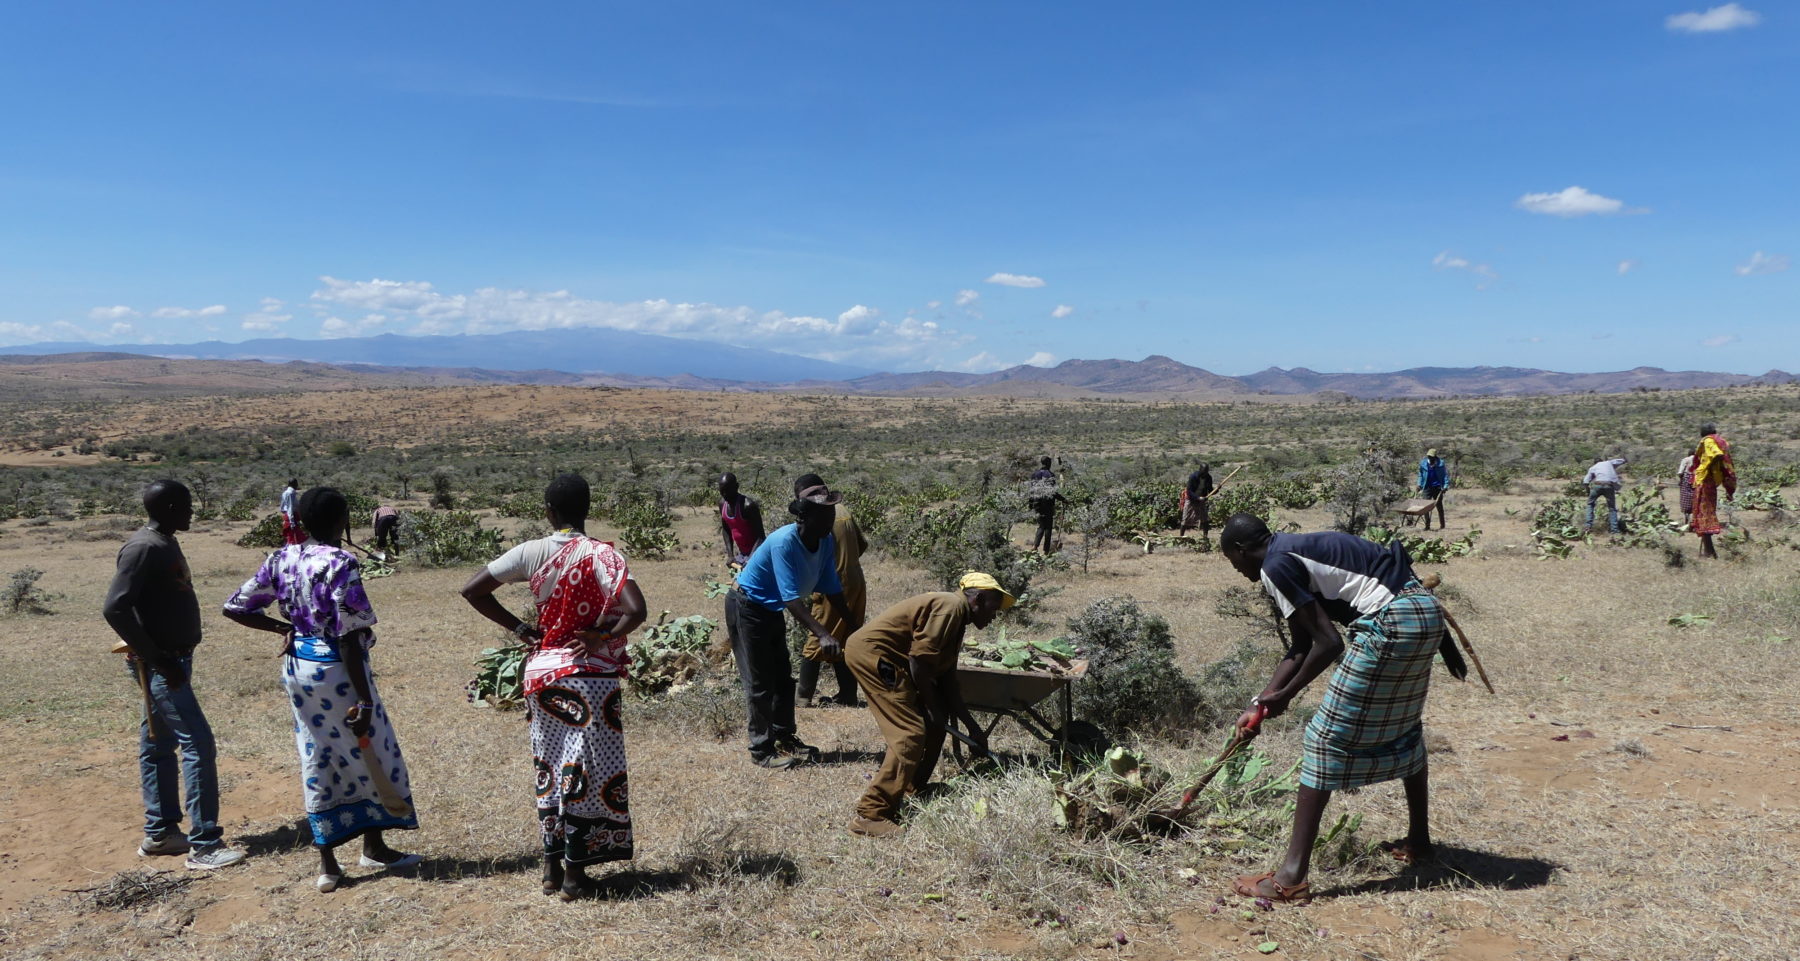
(1084, 739)
(965, 758)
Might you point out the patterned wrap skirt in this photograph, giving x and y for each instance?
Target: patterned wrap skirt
(350, 789)
(1706, 510)
(1687, 493)
(578, 753)
(1368, 729)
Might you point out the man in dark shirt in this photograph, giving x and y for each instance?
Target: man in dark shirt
(1367, 728)
(1195, 511)
(151, 605)
(1041, 494)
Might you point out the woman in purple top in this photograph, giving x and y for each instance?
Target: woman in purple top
(351, 771)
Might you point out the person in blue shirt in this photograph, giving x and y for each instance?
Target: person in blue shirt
(1434, 479)
(782, 574)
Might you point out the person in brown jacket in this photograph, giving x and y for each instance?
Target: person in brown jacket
(850, 547)
(905, 660)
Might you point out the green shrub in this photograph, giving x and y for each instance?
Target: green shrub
(447, 539)
(266, 534)
(23, 596)
(1132, 682)
(670, 653)
(499, 676)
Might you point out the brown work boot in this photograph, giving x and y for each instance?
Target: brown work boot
(875, 827)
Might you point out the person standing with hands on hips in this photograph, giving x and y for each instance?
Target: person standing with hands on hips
(782, 575)
(587, 603)
(355, 786)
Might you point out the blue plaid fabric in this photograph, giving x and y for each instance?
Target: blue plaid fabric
(1367, 729)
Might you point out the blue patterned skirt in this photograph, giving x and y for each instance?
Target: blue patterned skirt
(1367, 729)
(349, 791)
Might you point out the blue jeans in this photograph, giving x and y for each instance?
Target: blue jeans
(178, 724)
(1611, 493)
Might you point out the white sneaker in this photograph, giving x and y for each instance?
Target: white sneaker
(214, 858)
(173, 844)
(403, 861)
(328, 883)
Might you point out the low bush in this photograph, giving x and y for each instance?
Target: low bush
(22, 595)
(1132, 683)
(447, 539)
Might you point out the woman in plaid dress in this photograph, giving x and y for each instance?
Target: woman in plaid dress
(1367, 729)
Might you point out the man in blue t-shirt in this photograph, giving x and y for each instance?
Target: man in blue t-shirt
(783, 573)
(1434, 479)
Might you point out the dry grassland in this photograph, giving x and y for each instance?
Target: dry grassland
(1632, 791)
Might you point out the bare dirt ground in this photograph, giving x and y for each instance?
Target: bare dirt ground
(1632, 791)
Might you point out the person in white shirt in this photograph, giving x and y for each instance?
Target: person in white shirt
(1602, 480)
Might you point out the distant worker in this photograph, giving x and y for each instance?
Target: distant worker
(387, 528)
(850, 547)
(1434, 480)
(1602, 480)
(1367, 728)
(1684, 480)
(783, 573)
(1043, 497)
(152, 607)
(1194, 509)
(905, 660)
(740, 521)
(291, 532)
(1712, 470)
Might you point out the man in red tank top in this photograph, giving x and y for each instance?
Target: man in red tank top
(740, 521)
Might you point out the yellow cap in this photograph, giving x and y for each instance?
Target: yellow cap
(977, 581)
(1431, 453)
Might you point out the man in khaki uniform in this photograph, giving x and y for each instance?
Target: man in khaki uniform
(905, 660)
(850, 547)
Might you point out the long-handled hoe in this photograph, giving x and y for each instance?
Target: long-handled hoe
(1239, 741)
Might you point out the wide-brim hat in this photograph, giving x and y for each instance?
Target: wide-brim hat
(977, 581)
(820, 494)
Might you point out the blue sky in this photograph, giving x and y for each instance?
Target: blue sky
(1339, 186)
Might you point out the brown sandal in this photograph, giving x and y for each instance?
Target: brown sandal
(1402, 851)
(1250, 886)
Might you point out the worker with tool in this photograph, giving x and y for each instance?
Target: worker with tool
(1367, 728)
(905, 661)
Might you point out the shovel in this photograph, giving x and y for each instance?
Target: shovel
(1239, 741)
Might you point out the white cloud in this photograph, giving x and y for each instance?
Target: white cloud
(1016, 280)
(182, 313)
(268, 318)
(1731, 16)
(857, 320)
(1573, 202)
(16, 333)
(1720, 340)
(857, 335)
(1061, 311)
(122, 329)
(1042, 358)
(1445, 260)
(982, 363)
(1761, 263)
(933, 304)
(335, 326)
(1627, 266)
(112, 313)
(966, 297)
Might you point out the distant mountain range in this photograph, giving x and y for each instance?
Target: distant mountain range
(572, 350)
(600, 357)
(1161, 376)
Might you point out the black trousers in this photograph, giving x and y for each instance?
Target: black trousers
(387, 532)
(1046, 522)
(809, 681)
(759, 645)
